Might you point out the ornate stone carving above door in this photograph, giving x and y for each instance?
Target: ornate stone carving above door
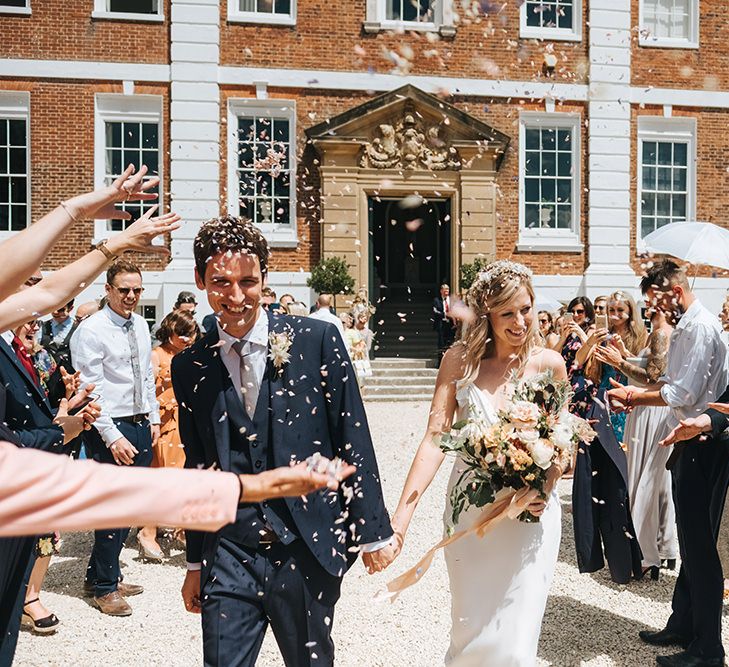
(410, 144)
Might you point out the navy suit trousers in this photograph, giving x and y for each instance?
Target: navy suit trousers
(103, 569)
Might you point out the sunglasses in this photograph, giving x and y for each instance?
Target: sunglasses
(124, 291)
(543, 321)
(578, 311)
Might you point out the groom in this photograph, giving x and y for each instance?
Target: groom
(259, 391)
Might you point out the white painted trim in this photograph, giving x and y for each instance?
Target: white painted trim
(18, 11)
(365, 81)
(265, 18)
(553, 34)
(645, 38)
(115, 107)
(549, 240)
(128, 16)
(83, 69)
(658, 128)
(277, 236)
(16, 105)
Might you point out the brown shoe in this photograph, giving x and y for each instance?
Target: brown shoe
(113, 604)
(128, 590)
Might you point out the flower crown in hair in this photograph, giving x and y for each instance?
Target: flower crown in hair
(504, 268)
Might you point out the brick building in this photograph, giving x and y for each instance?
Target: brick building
(554, 132)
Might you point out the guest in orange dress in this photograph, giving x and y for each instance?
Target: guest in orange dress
(177, 331)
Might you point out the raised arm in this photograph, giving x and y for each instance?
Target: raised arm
(64, 284)
(24, 252)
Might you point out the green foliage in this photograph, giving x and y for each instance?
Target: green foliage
(469, 272)
(331, 276)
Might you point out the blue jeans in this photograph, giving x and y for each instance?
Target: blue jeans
(103, 570)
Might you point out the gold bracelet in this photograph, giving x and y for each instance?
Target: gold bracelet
(68, 212)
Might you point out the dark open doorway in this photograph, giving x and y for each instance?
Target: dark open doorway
(409, 258)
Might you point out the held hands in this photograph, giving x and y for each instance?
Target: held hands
(620, 396)
(720, 407)
(687, 429)
(377, 561)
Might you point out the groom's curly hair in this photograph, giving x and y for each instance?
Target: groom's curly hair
(229, 233)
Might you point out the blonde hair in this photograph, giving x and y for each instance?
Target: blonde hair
(634, 340)
(492, 290)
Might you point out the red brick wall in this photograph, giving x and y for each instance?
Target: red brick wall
(62, 30)
(704, 68)
(329, 36)
(62, 155)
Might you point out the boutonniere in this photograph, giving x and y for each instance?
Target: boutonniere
(279, 345)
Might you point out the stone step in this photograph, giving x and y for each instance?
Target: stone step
(399, 362)
(399, 398)
(404, 371)
(390, 389)
(399, 380)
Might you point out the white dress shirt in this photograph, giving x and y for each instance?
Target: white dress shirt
(100, 351)
(326, 315)
(246, 372)
(696, 367)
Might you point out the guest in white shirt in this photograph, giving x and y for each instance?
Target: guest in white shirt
(112, 349)
(695, 376)
(322, 312)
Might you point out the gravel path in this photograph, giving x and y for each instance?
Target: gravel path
(589, 620)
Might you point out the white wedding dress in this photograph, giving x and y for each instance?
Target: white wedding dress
(499, 583)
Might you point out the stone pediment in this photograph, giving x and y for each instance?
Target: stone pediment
(408, 129)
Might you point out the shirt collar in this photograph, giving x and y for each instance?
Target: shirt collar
(258, 335)
(115, 317)
(690, 314)
(7, 336)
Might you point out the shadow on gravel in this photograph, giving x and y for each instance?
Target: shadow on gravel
(573, 632)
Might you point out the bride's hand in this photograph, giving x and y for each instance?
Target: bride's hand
(376, 561)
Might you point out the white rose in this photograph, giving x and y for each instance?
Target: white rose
(527, 435)
(541, 452)
(524, 414)
(472, 431)
(562, 436)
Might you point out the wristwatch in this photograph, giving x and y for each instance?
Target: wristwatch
(101, 245)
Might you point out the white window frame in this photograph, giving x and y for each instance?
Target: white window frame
(691, 42)
(443, 19)
(237, 16)
(102, 11)
(23, 11)
(652, 128)
(557, 34)
(114, 107)
(551, 240)
(16, 106)
(277, 235)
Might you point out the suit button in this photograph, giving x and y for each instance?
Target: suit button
(254, 445)
(258, 464)
(264, 503)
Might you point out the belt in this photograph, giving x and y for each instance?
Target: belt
(268, 536)
(133, 419)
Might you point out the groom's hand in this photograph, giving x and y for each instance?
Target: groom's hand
(376, 561)
(191, 591)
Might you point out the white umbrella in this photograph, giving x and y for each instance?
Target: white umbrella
(544, 302)
(694, 242)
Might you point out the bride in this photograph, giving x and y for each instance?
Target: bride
(499, 583)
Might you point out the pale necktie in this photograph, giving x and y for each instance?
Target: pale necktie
(128, 326)
(247, 378)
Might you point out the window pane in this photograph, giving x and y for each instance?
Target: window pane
(531, 216)
(18, 190)
(283, 7)
(547, 216)
(131, 135)
(113, 134)
(4, 157)
(4, 217)
(565, 17)
(679, 207)
(245, 155)
(549, 190)
(565, 164)
(679, 179)
(564, 217)
(564, 140)
(648, 205)
(564, 190)
(18, 218)
(150, 158)
(245, 129)
(548, 140)
(647, 226)
(17, 161)
(3, 132)
(247, 184)
(263, 184)
(17, 132)
(650, 152)
(264, 212)
(281, 130)
(265, 6)
(4, 190)
(150, 133)
(14, 3)
(281, 185)
(133, 6)
(663, 204)
(649, 177)
(531, 189)
(532, 139)
(549, 164)
(281, 211)
(664, 178)
(247, 5)
(680, 154)
(664, 153)
(532, 164)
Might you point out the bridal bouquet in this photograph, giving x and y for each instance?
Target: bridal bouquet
(533, 431)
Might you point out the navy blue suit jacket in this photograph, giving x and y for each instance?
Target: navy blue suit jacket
(27, 410)
(316, 407)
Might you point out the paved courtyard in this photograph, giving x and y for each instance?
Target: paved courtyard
(589, 620)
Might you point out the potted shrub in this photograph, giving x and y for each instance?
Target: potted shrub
(331, 276)
(469, 272)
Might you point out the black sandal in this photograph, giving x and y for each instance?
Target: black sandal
(43, 626)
